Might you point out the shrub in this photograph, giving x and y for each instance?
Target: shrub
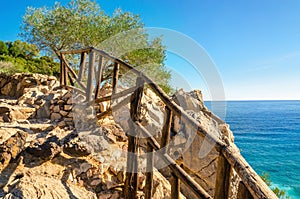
(281, 194)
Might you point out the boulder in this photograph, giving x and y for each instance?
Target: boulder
(7, 89)
(11, 148)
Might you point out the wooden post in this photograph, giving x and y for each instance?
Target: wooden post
(82, 66)
(130, 190)
(65, 74)
(89, 92)
(99, 77)
(115, 78)
(243, 192)
(223, 178)
(62, 81)
(149, 172)
(175, 186)
(165, 140)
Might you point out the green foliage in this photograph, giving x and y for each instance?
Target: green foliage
(82, 23)
(281, 194)
(22, 49)
(20, 58)
(3, 48)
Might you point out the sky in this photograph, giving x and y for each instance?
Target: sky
(253, 44)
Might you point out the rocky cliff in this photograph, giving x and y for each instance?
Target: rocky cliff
(52, 145)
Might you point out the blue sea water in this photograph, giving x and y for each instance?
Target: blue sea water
(268, 134)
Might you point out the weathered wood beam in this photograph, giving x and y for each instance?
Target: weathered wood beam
(131, 183)
(175, 186)
(65, 72)
(89, 90)
(116, 96)
(62, 77)
(131, 180)
(81, 66)
(166, 131)
(243, 192)
(87, 50)
(149, 172)
(115, 78)
(99, 77)
(253, 182)
(115, 107)
(223, 178)
(68, 87)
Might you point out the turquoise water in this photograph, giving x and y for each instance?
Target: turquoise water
(268, 134)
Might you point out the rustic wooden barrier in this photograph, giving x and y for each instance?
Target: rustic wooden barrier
(251, 185)
(133, 140)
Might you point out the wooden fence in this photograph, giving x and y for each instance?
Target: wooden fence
(251, 185)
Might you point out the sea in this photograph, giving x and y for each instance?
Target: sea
(268, 135)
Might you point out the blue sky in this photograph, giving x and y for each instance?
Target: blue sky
(254, 44)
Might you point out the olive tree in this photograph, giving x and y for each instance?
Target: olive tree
(82, 23)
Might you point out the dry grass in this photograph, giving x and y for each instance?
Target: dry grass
(7, 67)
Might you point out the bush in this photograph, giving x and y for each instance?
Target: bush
(3, 48)
(281, 194)
(41, 65)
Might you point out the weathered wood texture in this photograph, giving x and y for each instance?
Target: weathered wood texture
(82, 66)
(116, 96)
(243, 192)
(62, 72)
(175, 187)
(149, 172)
(115, 78)
(166, 131)
(223, 178)
(99, 77)
(89, 88)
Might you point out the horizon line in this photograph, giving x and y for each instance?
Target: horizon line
(224, 100)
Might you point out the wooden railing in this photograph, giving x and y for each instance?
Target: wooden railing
(251, 185)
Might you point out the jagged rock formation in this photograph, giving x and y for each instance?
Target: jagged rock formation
(52, 145)
(199, 155)
(43, 155)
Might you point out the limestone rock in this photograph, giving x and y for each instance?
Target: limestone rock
(5, 114)
(56, 109)
(12, 147)
(7, 89)
(67, 107)
(63, 113)
(47, 150)
(30, 187)
(43, 111)
(55, 116)
(76, 149)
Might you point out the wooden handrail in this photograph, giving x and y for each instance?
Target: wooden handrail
(231, 153)
(116, 96)
(72, 72)
(176, 169)
(251, 179)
